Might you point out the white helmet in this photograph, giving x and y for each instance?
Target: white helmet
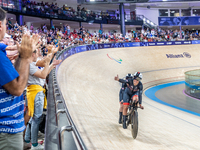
(129, 76)
(138, 75)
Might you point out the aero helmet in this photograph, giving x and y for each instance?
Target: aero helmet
(129, 76)
(138, 76)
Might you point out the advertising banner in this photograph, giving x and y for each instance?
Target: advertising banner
(196, 42)
(100, 46)
(73, 51)
(151, 43)
(80, 49)
(67, 53)
(133, 44)
(116, 45)
(88, 47)
(92, 47)
(107, 45)
(168, 43)
(178, 21)
(143, 44)
(181, 42)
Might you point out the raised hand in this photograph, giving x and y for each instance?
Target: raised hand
(56, 62)
(28, 45)
(12, 57)
(48, 59)
(50, 48)
(11, 48)
(116, 78)
(38, 45)
(55, 50)
(35, 39)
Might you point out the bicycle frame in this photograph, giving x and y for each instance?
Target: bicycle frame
(133, 119)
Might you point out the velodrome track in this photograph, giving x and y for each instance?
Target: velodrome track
(91, 94)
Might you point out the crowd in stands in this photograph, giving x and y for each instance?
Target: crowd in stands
(23, 70)
(53, 9)
(65, 36)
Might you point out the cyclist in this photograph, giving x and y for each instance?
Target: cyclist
(121, 93)
(132, 92)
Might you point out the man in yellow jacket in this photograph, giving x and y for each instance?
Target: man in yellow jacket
(36, 97)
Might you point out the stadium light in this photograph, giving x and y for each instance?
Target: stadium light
(148, 21)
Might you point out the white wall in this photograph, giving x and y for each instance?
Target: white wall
(152, 14)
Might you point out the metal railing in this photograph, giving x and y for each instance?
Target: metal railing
(147, 22)
(61, 108)
(28, 9)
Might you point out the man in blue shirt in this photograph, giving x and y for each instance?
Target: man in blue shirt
(13, 80)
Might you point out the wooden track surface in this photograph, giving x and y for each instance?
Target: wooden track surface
(91, 94)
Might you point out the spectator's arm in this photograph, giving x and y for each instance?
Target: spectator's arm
(43, 74)
(17, 86)
(41, 63)
(11, 48)
(50, 68)
(12, 53)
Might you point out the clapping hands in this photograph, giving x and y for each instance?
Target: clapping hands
(28, 45)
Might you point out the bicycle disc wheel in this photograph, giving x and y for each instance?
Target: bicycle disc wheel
(134, 124)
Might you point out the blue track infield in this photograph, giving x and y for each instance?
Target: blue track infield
(150, 93)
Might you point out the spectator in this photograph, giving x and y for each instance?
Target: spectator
(44, 28)
(9, 24)
(36, 98)
(16, 26)
(100, 32)
(117, 12)
(31, 28)
(68, 29)
(78, 8)
(13, 82)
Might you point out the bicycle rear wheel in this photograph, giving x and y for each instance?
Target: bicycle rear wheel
(134, 124)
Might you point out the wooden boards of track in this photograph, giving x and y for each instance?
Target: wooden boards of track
(91, 94)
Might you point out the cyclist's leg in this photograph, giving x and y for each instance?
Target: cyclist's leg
(135, 97)
(121, 100)
(121, 105)
(126, 98)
